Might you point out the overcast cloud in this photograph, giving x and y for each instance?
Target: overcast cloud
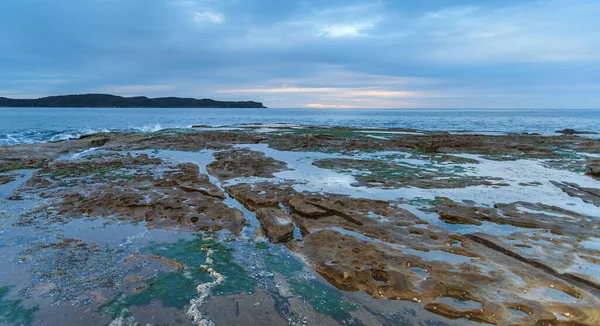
(311, 53)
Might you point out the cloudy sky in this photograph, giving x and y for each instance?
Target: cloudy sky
(308, 53)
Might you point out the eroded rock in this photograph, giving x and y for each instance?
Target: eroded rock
(588, 195)
(547, 237)
(240, 163)
(263, 194)
(4, 179)
(299, 205)
(139, 188)
(594, 169)
(494, 147)
(396, 272)
(276, 223)
(518, 214)
(570, 132)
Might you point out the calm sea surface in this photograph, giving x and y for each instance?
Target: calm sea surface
(29, 125)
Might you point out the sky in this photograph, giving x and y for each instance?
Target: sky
(308, 53)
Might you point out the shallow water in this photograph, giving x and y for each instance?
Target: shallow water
(52, 282)
(274, 281)
(315, 179)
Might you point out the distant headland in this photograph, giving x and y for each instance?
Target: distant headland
(113, 101)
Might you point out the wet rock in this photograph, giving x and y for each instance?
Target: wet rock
(99, 141)
(4, 179)
(190, 179)
(530, 184)
(594, 169)
(555, 255)
(570, 132)
(180, 139)
(304, 208)
(36, 156)
(240, 163)
(389, 271)
(384, 174)
(588, 195)
(69, 269)
(497, 147)
(12, 164)
(129, 187)
(566, 131)
(262, 194)
(330, 205)
(244, 309)
(550, 238)
(518, 214)
(457, 218)
(200, 213)
(276, 223)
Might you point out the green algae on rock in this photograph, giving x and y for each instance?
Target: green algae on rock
(284, 265)
(323, 298)
(385, 174)
(176, 288)
(12, 312)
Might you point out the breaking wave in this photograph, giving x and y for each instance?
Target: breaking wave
(41, 136)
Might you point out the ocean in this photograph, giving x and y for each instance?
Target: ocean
(31, 125)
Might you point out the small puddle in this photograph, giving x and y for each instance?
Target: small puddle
(591, 243)
(518, 312)
(551, 294)
(439, 256)
(461, 304)
(519, 282)
(377, 217)
(419, 271)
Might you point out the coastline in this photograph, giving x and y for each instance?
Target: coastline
(487, 228)
(114, 101)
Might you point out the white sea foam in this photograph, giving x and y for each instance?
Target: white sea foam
(148, 128)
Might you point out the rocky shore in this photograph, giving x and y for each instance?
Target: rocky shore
(292, 225)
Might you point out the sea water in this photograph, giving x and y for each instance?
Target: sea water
(31, 125)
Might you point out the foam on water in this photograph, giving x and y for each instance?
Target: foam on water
(47, 135)
(148, 128)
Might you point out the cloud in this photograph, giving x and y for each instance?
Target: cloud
(208, 16)
(339, 92)
(358, 53)
(530, 31)
(351, 30)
